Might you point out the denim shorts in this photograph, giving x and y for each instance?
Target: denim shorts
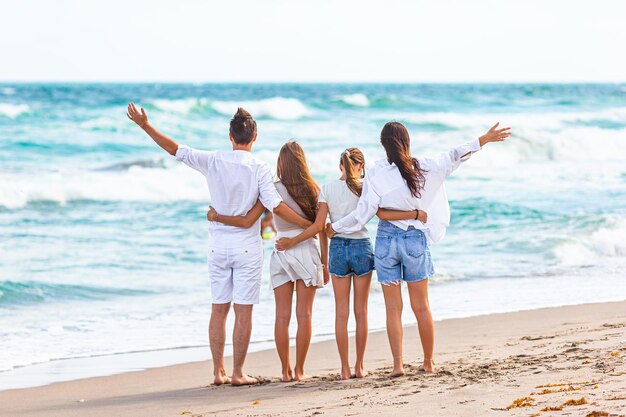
(401, 255)
(350, 257)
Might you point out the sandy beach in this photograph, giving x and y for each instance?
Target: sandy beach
(569, 359)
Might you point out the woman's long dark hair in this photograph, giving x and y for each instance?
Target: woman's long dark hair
(395, 139)
(293, 172)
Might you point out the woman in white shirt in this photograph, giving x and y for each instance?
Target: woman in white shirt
(351, 259)
(402, 182)
(298, 268)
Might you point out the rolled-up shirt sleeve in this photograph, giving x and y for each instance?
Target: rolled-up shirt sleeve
(447, 162)
(267, 190)
(198, 160)
(363, 213)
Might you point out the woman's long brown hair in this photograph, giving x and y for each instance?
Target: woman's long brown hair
(349, 158)
(293, 172)
(395, 139)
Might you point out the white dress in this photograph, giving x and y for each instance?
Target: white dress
(299, 262)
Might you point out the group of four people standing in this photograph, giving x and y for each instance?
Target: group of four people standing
(406, 193)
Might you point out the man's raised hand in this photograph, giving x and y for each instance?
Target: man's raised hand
(141, 118)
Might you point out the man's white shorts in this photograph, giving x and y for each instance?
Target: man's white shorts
(235, 274)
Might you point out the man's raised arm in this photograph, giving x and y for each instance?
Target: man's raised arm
(141, 118)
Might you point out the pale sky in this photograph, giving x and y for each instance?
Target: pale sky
(317, 40)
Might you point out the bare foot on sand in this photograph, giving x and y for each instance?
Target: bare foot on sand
(397, 372)
(287, 376)
(243, 380)
(220, 378)
(346, 374)
(299, 375)
(359, 372)
(427, 367)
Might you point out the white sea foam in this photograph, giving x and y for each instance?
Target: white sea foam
(7, 91)
(135, 184)
(547, 120)
(356, 99)
(607, 242)
(181, 106)
(279, 108)
(13, 110)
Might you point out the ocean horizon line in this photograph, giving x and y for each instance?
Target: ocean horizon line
(311, 82)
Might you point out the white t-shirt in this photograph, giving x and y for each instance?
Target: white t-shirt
(341, 202)
(236, 181)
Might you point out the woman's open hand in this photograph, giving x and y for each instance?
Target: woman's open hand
(141, 118)
(495, 135)
(422, 216)
(330, 232)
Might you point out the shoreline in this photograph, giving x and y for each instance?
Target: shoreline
(483, 362)
(111, 364)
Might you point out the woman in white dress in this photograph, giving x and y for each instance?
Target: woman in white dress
(298, 268)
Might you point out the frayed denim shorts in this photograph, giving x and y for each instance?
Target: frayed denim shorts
(350, 257)
(401, 255)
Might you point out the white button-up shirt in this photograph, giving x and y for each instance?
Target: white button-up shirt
(236, 181)
(384, 187)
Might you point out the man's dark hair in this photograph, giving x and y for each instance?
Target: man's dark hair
(242, 127)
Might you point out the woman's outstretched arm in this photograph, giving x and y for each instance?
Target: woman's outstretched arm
(447, 162)
(390, 214)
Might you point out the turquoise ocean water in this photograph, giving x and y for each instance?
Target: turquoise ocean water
(103, 240)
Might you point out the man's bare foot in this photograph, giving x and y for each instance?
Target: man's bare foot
(427, 367)
(397, 372)
(346, 374)
(287, 376)
(220, 378)
(243, 380)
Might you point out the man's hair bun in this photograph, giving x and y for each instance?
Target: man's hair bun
(242, 127)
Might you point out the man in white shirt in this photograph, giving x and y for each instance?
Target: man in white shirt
(236, 180)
